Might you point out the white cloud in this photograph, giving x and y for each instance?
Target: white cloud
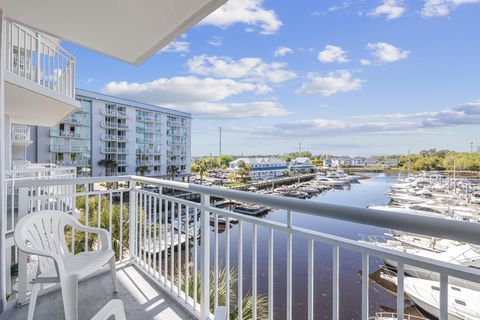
(387, 124)
(438, 8)
(344, 5)
(386, 52)
(332, 83)
(177, 46)
(282, 51)
(202, 97)
(249, 69)
(236, 110)
(215, 41)
(392, 9)
(250, 12)
(179, 90)
(365, 62)
(332, 54)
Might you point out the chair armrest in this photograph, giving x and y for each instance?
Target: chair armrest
(57, 259)
(104, 235)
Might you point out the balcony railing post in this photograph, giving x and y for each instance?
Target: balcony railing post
(131, 218)
(205, 258)
(37, 67)
(22, 257)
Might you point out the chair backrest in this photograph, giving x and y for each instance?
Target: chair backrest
(43, 231)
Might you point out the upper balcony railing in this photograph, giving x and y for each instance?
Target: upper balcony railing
(20, 132)
(67, 134)
(32, 56)
(112, 112)
(183, 244)
(114, 125)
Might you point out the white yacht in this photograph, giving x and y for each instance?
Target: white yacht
(463, 303)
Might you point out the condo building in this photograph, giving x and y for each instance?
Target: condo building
(114, 136)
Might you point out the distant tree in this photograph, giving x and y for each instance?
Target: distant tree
(225, 160)
(173, 171)
(109, 165)
(200, 167)
(244, 170)
(141, 170)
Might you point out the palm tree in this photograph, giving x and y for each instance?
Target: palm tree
(200, 168)
(141, 170)
(244, 170)
(104, 223)
(173, 171)
(109, 165)
(247, 301)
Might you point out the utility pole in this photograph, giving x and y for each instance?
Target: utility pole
(408, 163)
(299, 147)
(220, 142)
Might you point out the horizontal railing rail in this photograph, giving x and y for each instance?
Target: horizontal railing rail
(175, 241)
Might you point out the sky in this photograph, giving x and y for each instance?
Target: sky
(364, 77)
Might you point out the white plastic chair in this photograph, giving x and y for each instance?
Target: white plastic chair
(112, 308)
(43, 234)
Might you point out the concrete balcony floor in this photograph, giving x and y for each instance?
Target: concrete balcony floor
(142, 299)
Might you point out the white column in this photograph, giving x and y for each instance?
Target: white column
(3, 203)
(8, 143)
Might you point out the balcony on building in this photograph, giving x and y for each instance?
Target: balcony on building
(39, 73)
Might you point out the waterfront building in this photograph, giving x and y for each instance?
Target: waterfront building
(337, 162)
(262, 168)
(391, 162)
(358, 162)
(301, 164)
(136, 138)
(373, 162)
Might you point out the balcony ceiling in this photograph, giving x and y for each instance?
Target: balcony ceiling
(22, 97)
(128, 30)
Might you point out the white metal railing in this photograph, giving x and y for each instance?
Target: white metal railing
(109, 137)
(109, 149)
(74, 163)
(145, 140)
(148, 162)
(74, 120)
(32, 56)
(28, 171)
(20, 132)
(146, 129)
(176, 162)
(111, 112)
(67, 148)
(147, 151)
(145, 118)
(110, 124)
(171, 239)
(66, 134)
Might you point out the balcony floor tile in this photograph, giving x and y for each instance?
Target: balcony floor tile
(142, 299)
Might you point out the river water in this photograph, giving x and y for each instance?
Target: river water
(369, 191)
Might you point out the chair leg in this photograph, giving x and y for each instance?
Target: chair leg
(70, 297)
(113, 270)
(33, 300)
